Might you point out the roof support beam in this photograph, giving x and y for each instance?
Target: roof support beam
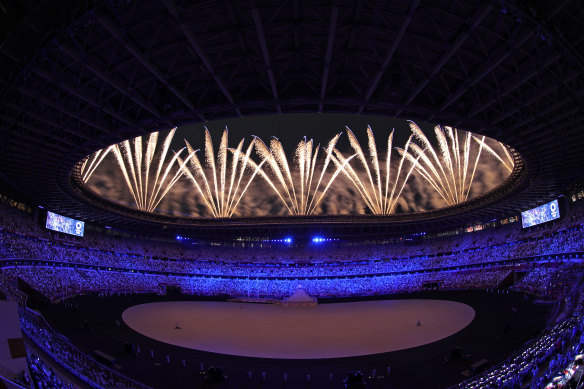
(111, 80)
(48, 153)
(328, 54)
(83, 96)
(115, 30)
(514, 85)
(484, 70)
(545, 123)
(67, 112)
(35, 130)
(479, 15)
(557, 105)
(199, 51)
(557, 9)
(552, 87)
(266, 54)
(395, 45)
(74, 136)
(347, 104)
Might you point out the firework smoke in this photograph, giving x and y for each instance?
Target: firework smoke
(508, 162)
(310, 179)
(375, 192)
(451, 170)
(302, 195)
(136, 163)
(222, 198)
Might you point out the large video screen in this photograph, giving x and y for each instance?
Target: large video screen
(64, 224)
(542, 214)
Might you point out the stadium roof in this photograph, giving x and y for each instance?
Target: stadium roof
(76, 76)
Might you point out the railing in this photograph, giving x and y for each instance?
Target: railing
(561, 320)
(29, 328)
(500, 364)
(7, 375)
(88, 362)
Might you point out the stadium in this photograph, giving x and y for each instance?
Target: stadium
(403, 209)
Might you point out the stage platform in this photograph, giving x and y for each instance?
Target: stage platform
(323, 331)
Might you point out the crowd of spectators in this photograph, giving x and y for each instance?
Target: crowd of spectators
(542, 359)
(42, 375)
(69, 357)
(536, 279)
(59, 267)
(468, 260)
(19, 246)
(506, 241)
(537, 362)
(58, 282)
(553, 279)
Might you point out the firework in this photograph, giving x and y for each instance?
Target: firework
(226, 191)
(302, 192)
(222, 175)
(136, 165)
(91, 162)
(374, 189)
(508, 162)
(451, 170)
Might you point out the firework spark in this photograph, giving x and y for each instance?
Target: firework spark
(375, 193)
(303, 195)
(451, 170)
(91, 162)
(224, 195)
(136, 164)
(508, 161)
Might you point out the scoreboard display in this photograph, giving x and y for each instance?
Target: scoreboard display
(64, 224)
(542, 214)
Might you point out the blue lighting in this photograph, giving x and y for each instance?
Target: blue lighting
(319, 239)
(287, 240)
